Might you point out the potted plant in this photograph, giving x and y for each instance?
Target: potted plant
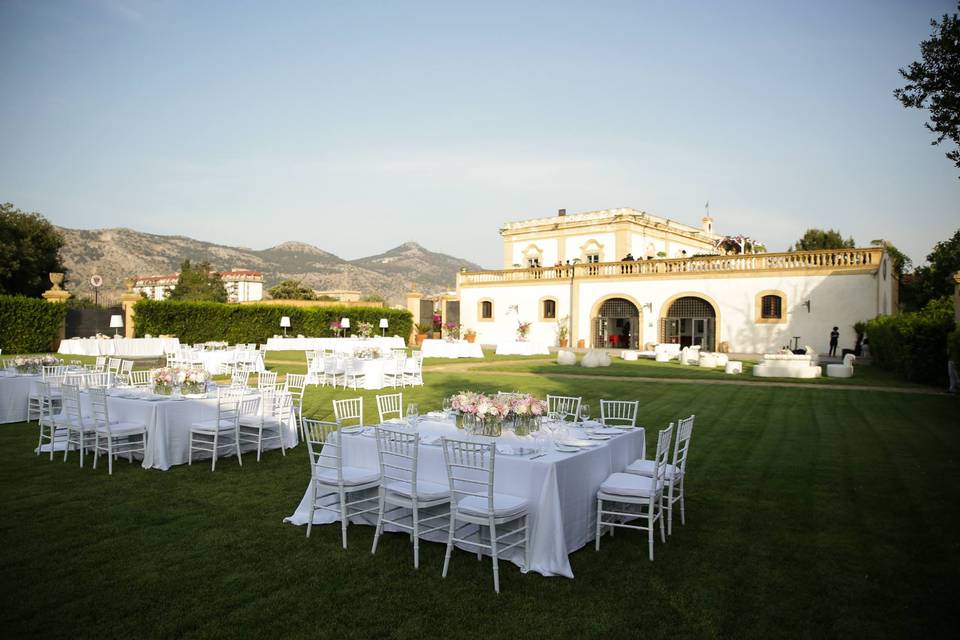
(453, 330)
(470, 335)
(563, 333)
(422, 328)
(437, 328)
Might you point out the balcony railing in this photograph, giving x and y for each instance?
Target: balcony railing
(825, 261)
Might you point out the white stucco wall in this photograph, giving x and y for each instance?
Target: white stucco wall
(835, 300)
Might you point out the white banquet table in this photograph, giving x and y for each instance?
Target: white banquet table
(560, 488)
(152, 347)
(219, 361)
(445, 349)
(522, 349)
(168, 424)
(14, 391)
(339, 345)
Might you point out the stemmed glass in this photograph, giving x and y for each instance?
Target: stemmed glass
(584, 414)
(446, 406)
(413, 414)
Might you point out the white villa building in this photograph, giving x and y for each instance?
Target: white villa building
(242, 285)
(568, 270)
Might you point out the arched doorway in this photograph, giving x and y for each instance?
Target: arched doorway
(690, 321)
(617, 324)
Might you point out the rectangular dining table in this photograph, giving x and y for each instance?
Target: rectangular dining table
(560, 488)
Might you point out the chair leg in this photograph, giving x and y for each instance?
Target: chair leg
(416, 536)
(96, 449)
(313, 505)
(190, 454)
(683, 519)
(599, 522)
(660, 518)
(526, 544)
(213, 466)
(493, 551)
(259, 443)
(236, 438)
(343, 518)
(650, 526)
(446, 557)
(670, 510)
(40, 443)
(376, 534)
(109, 456)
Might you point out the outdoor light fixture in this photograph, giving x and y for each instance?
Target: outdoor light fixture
(344, 324)
(807, 305)
(383, 326)
(116, 322)
(285, 323)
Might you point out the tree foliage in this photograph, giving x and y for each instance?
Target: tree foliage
(815, 239)
(291, 290)
(933, 280)
(901, 261)
(29, 325)
(934, 82)
(914, 343)
(29, 251)
(198, 284)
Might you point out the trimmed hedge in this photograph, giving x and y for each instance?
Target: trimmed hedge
(29, 325)
(914, 344)
(194, 322)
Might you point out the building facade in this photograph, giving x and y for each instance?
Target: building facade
(752, 303)
(242, 285)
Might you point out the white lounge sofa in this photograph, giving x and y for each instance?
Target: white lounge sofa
(844, 370)
(690, 355)
(663, 352)
(786, 365)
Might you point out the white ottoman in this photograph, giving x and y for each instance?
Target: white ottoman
(663, 357)
(630, 355)
(722, 359)
(566, 357)
(708, 361)
(734, 366)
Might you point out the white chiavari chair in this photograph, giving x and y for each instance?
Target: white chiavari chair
(332, 370)
(403, 491)
(619, 413)
(51, 429)
(330, 477)
(349, 409)
(94, 380)
(119, 437)
(389, 406)
(413, 370)
(239, 379)
(354, 374)
(276, 411)
(141, 378)
(35, 396)
(223, 432)
(394, 370)
(470, 472)
(675, 473)
(568, 407)
(267, 380)
(113, 365)
(296, 384)
(633, 498)
(100, 364)
(80, 430)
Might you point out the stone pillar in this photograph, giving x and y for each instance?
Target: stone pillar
(956, 296)
(57, 295)
(127, 300)
(413, 306)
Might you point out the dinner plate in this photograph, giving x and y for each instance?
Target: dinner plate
(606, 430)
(580, 443)
(565, 449)
(624, 427)
(598, 436)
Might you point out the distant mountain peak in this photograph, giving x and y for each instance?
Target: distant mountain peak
(298, 247)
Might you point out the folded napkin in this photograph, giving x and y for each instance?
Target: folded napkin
(592, 424)
(606, 430)
(430, 439)
(505, 450)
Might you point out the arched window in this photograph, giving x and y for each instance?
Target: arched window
(771, 307)
(548, 309)
(485, 311)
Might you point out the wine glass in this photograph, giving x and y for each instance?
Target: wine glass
(446, 405)
(413, 413)
(584, 414)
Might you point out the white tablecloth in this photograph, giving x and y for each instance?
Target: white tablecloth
(340, 345)
(219, 361)
(168, 426)
(522, 349)
(154, 347)
(561, 489)
(444, 349)
(13, 397)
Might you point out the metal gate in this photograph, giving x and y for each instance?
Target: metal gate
(83, 323)
(617, 325)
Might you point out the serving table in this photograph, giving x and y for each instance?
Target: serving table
(339, 345)
(447, 349)
(14, 391)
(560, 487)
(518, 348)
(147, 347)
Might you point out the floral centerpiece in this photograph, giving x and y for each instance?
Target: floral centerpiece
(365, 329)
(165, 380)
(452, 329)
(487, 415)
(194, 382)
(366, 353)
(25, 364)
(523, 330)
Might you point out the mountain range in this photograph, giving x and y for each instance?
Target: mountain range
(120, 253)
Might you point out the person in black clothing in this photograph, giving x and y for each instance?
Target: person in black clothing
(834, 339)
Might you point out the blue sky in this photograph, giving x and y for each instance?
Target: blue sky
(357, 126)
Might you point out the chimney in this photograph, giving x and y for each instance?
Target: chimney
(707, 224)
(562, 212)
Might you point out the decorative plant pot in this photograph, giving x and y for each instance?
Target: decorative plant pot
(470, 338)
(419, 338)
(564, 342)
(163, 389)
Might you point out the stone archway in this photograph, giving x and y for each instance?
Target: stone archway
(616, 324)
(689, 320)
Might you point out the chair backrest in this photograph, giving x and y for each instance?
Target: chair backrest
(566, 406)
(470, 469)
(71, 404)
(126, 366)
(349, 409)
(661, 460)
(682, 447)
(267, 380)
(140, 378)
(282, 408)
(98, 380)
(238, 379)
(113, 364)
(389, 404)
(47, 388)
(399, 451)
(352, 366)
(98, 405)
(619, 412)
(323, 446)
(229, 407)
(100, 364)
(56, 371)
(330, 364)
(399, 352)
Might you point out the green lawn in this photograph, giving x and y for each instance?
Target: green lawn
(811, 512)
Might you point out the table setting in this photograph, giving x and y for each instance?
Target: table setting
(556, 465)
